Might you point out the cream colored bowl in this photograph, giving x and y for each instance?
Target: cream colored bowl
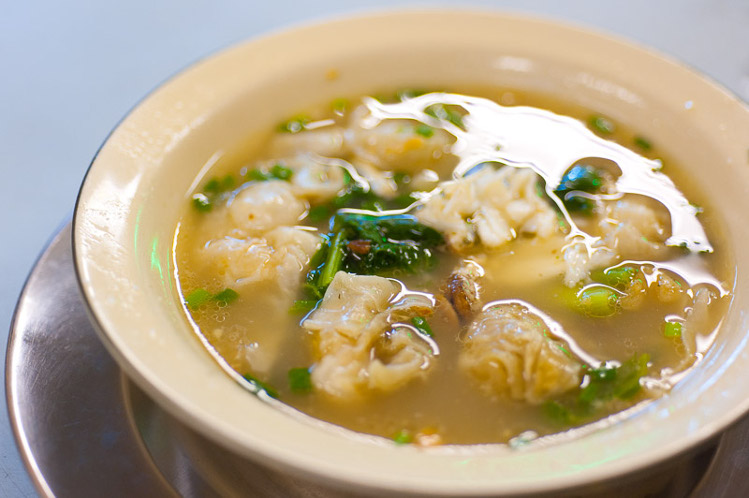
(141, 178)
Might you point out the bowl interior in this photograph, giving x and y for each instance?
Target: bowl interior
(140, 181)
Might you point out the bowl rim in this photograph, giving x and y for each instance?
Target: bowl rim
(303, 465)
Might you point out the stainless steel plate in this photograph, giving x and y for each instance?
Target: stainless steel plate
(84, 429)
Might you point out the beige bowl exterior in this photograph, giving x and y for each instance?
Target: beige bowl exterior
(141, 178)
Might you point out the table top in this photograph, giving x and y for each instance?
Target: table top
(71, 70)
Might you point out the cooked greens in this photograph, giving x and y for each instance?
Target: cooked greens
(601, 385)
(368, 244)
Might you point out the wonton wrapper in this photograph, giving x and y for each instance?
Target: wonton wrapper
(359, 350)
(507, 353)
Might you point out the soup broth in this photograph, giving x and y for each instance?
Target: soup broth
(444, 269)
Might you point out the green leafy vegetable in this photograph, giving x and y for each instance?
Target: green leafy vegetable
(387, 228)
(400, 178)
(300, 380)
(261, 386)
(395, 242)
(422, 325)
(368, 245)
(319, 213)
(334, 259)
(604, 384)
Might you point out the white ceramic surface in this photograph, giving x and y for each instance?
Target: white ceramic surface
(140, 180)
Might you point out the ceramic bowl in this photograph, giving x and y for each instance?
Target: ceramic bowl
(141, 178)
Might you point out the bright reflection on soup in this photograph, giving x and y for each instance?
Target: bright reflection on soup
(441, 269)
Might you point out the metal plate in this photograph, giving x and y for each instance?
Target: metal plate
(83, 429)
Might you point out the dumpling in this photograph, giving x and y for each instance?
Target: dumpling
(327, 141)
(315, 178)
(360, 344)
(634, 228)
(490, 207)
(261, 206)
(397, 144)
(630, 228)
(508, 353)
(278, 257)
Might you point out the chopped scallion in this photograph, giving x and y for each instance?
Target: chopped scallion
(422, 325)
(602, 125)
(672, 329)
(226, 296)
(303, 306)
(197, 298)
(261, 386)
(403, 436)
(281, 172)
(339, 106)
(300, 380)
(202, 203)
(445, 113)
(295, 125)
(643, 143)
(257, 175)
(425, 131)
(619, 277)
(598, 301)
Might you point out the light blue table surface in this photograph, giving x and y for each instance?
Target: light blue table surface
(70, 70)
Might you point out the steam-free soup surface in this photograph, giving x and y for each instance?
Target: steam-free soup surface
(439, 268)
